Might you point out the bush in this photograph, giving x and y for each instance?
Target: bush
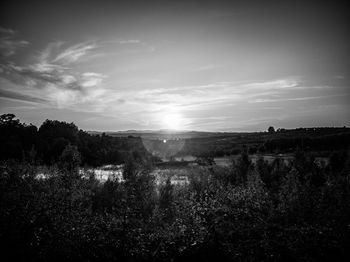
(258, 212)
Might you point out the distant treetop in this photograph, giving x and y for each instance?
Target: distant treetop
(271, 129)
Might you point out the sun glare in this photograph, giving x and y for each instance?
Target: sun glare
(172, 121)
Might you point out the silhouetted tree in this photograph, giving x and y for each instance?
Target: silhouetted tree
(271, 129)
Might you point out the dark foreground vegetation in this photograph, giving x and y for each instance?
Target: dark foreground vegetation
(45, 144)
(298, 211)
(320, 141)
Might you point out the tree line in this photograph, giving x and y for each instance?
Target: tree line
(45, 144)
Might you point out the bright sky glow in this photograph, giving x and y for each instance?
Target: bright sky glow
(194, 65)
(172, 121)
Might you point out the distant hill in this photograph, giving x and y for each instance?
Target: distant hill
(183, 134)
(197, 143)
(161, 134)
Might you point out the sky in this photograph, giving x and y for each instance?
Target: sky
(189, 65)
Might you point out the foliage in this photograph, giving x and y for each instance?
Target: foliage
(46, 144)
(265, 212)
(296, 211)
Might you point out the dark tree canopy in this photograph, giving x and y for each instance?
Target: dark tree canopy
(23, 142)
(271, 129)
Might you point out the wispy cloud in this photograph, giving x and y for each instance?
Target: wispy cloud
(129, 41)
(9, 42)
(213, 94)
(295, 98)
(274, 84)
(21, 97)
(218, 103)
(7, 31)
(58, 76)
(52, 73)
(74, 53)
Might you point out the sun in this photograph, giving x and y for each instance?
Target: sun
(172, 121)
